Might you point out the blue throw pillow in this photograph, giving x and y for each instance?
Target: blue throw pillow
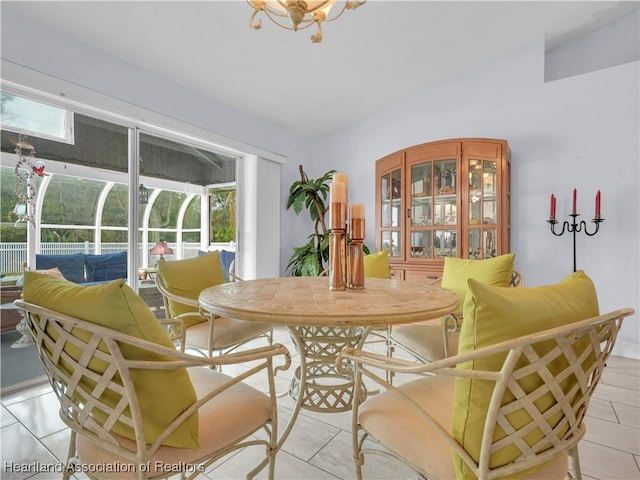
(226, 258)
(107, 267)
(71, 266)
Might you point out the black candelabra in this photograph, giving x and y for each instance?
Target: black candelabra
(574, 226)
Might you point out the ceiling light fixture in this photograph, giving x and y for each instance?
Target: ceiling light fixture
(300, 14)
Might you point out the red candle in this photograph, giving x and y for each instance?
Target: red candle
(552, 207)
(575, 200)
(598, 204)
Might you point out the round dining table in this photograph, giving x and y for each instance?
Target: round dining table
(322, 322)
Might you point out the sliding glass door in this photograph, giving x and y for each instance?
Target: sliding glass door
(93, 188)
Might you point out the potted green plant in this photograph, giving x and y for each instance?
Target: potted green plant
(311, 195)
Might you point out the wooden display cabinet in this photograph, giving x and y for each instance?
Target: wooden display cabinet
(449, 198)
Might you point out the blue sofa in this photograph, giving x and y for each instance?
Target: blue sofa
(86, 268)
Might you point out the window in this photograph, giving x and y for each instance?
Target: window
(36, 119)
(223, 214)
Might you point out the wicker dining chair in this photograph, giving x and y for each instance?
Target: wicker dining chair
(430, 341)
(532, 418)
(180, 282)
(109, 385)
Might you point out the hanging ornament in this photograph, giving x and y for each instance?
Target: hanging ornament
(25, 209)
(39, 169)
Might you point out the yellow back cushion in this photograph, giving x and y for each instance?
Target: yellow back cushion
(187, 278)
(163, 394)
(493, 271)
(376, 265)
(495, 314)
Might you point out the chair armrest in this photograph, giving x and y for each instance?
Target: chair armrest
(451, 323)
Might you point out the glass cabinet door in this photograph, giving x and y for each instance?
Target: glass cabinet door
(421, 195)
(483, 208)
(433, 210)
(391, 212)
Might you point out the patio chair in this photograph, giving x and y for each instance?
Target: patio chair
(142, 408)
(431, 341)
(376, 265)
(180, 283)
(512, 402)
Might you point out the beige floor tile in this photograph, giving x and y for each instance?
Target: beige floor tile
(337, 458)
(22, 456)
(39, 414)
(58, 443)
(627, 415)
(598, 461)
(618, 394)
(288, 467)
(602, 409)
(621, 380)
(621, 437)
(627, 366)
(307, 437)
(6, 418)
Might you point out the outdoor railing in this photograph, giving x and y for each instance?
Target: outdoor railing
(14, 254)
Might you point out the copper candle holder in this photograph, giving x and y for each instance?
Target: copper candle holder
(356, 254)
(337, 247)
(336, 260)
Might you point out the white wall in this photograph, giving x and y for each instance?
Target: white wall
(580, 132)
(611, 45)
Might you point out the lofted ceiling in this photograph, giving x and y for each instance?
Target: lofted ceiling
(371, 58)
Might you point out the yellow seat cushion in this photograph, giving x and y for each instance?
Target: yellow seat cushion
(493, 271)
(376, 265)
(495, 314)
(187, 278)
(163, 394)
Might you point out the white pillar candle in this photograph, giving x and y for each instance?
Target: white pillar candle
(357, 210)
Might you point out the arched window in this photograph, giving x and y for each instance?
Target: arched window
(114, 215)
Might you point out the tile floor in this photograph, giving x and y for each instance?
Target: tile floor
(319, 446)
